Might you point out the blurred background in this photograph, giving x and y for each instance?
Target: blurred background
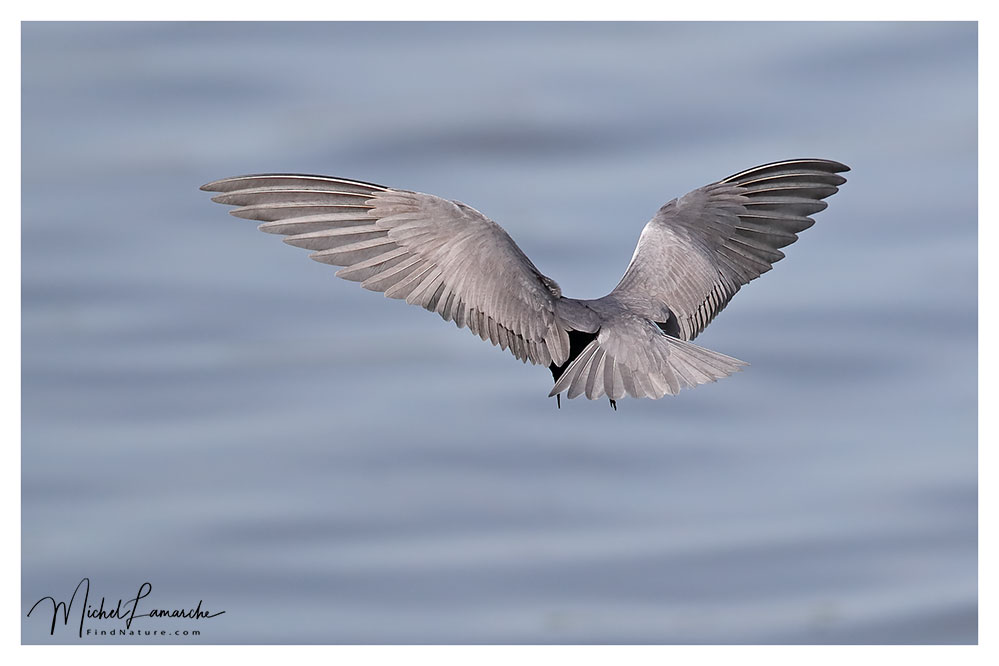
(207, 410)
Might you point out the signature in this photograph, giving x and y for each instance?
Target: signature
(123, 610)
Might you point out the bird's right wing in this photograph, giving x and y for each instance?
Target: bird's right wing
(441, 255)
(698, 250)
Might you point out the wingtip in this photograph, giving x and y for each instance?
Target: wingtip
(834, 166)
(838, 167)
(247, 212)
(212, 186)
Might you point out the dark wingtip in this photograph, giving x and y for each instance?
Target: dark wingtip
(832, 165)
(838, 167)
(788, 166)
(212, 186)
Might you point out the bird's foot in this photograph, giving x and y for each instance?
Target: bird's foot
(613, 404)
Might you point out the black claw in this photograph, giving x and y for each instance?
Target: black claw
(613, 404)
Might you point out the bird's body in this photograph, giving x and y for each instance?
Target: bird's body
(692, 257)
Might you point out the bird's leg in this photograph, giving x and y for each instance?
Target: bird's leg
(613, 403)
(558, 400)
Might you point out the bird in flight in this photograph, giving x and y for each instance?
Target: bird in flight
(447, 257)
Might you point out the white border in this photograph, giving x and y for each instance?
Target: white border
(10, 622)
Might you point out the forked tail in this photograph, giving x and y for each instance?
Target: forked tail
(632, 356)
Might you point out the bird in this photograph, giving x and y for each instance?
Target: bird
(692, 257)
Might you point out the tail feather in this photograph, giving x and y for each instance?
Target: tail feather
(632, 356)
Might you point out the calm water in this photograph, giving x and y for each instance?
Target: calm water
(207, 410)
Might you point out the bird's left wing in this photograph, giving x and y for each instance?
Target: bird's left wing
(441, 255)
(698, 250)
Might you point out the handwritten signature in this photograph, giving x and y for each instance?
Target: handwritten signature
(123, 610)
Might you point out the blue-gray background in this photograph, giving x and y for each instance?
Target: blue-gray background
(206, 409)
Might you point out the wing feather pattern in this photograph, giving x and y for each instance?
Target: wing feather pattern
(441, 255)
(698, 250)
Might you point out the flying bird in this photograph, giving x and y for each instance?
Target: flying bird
(447, 257)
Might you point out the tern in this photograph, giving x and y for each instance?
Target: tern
(691, 259)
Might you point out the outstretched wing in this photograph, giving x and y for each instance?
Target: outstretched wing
(441, 255)
(698, 250)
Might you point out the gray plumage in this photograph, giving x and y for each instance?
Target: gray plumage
(442, 255)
